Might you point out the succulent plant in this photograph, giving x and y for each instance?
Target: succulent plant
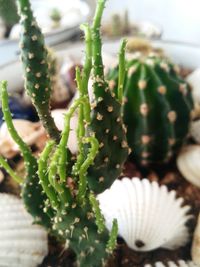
(60, 190)
(157, 108)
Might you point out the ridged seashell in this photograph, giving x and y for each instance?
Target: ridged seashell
(188, 164)
(195, 130)
(180, 263)
(22, 243)
(58, 115)
(196, 244)
(31, 133)
(148, 215)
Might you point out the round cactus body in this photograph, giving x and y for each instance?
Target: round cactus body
(157, 108)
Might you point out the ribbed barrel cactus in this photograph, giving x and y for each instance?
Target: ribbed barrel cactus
(59, 189)
(157, 107)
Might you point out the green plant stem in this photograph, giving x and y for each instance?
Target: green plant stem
(122, 70)
(100, 221)
(43, 174)
(4, 164)
(86, 164)
(97, 46)
(8, 119)
(64, 138)
(113, 237)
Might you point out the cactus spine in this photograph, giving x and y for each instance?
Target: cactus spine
(59, 191)
(157, 108)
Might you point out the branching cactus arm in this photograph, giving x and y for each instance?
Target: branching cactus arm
(106, 121)
(32, 194)
(36, 72)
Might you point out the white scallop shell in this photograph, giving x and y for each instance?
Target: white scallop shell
(146, 213)
(31, 133)
(58, 115)
(195, 130)
(22, 243)
(196, 244)
(188, 164)
(180, 263)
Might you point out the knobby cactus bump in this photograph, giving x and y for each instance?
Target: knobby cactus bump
(59, 189)
(157, 108)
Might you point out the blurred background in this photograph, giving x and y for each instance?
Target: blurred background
(171, 20)
(179, 19)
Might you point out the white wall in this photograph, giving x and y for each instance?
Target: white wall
(180, 19)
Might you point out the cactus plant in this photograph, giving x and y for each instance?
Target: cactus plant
(157, 108)
(34, 56)
(60, 190)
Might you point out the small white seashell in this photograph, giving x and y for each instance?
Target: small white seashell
(195, 130)
(22, 243)
(58, 115)
(188, 164)
(196, 244)
(31, 133)
(180, 263)
(194, 80)
(148, 215)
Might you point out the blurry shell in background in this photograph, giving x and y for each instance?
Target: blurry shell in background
(58, 115)
(195, 130)
(188, 163)
(1, 176)
(180, 263)
(31, 133)
(148, 215)
(194, 80)
(196, 244)
(22, 243)
(68, 73)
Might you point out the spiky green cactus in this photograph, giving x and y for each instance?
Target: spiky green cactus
(106, 120)
(58, 190)
(34, 57)
(157, 108)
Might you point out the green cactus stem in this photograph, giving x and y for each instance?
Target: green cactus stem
(32, 194)
(157, 110)
(4, 164)
(34, 57)
(106, 120)
(122, 71)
